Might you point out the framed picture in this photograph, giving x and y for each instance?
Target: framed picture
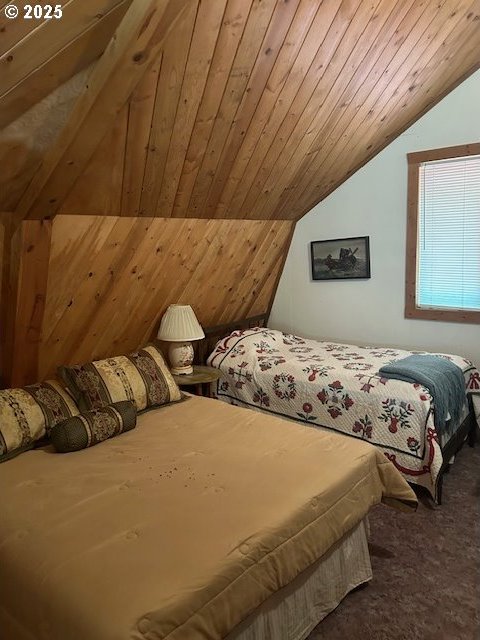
(342, 259)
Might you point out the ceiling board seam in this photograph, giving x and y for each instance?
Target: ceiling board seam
(199, 104)
(144, 169)
(346, 97)
(216, 188)
(289, 194)
(450, 88)
(110, 85)
(305, 105)
(12, 32)
(202, 165)
(219, 103)
(125, 163)
(267, 204)
(151, 168)
(307, 74)
(241, 104)
(155, 204)
(226, 205)
(199, 62)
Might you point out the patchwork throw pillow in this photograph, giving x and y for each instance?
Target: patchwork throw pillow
(28, 414)
(92, 427)
(142, 377)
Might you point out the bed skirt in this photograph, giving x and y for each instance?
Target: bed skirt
(294, 611)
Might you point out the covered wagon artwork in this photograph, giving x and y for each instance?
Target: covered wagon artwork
(340, 259)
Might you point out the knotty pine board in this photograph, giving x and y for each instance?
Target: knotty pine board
(111, 278)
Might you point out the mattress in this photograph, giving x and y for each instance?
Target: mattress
(338, 386)
(180, 528)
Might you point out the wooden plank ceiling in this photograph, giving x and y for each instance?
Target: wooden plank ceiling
(257, 109)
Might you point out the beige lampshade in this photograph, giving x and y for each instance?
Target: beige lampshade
(180, 324)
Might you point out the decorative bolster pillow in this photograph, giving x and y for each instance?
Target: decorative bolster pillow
(28, 414)
(92, 427)
(142, 377)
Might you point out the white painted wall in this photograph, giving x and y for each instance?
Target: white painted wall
(374, 202)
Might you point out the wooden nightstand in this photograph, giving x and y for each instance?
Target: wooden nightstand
(200, 379)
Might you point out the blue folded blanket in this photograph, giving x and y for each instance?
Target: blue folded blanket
(443, 379)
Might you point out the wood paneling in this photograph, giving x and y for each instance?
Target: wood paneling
(5, 244)
(47, 39)
(32, 71)
(6, 306)
(169, 87)
(257, 109)
(184, 185)
(24, 283)
(134, 47)
(438, 45)
(111, 278)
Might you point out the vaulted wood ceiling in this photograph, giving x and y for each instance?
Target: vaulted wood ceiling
(256, 109)
(241, 113)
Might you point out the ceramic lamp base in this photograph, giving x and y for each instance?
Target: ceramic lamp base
(180, 355)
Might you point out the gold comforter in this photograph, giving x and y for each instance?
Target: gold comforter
(179, 528)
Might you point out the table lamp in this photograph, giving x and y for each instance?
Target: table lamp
(180, 326)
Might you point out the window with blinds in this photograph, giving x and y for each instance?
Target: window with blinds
(442, 278)
(448, 234)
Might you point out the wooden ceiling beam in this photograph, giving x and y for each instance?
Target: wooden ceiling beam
(134, 46)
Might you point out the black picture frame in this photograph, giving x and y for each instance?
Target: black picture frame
(340, 258)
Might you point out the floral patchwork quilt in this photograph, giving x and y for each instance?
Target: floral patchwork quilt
(337, 386)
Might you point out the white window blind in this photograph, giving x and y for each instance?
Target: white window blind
(448, 263)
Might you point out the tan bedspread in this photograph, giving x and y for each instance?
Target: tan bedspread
(179, 528)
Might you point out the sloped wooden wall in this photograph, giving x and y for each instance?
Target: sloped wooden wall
(106, 281)
(110, 279)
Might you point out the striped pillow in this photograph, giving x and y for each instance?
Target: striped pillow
(142, 377)
(92, 427)
(28, 414)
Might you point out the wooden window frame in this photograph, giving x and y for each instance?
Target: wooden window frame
(414, 162)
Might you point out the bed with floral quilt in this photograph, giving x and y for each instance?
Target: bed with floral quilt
(338, 386)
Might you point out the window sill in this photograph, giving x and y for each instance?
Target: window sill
(443, 315)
